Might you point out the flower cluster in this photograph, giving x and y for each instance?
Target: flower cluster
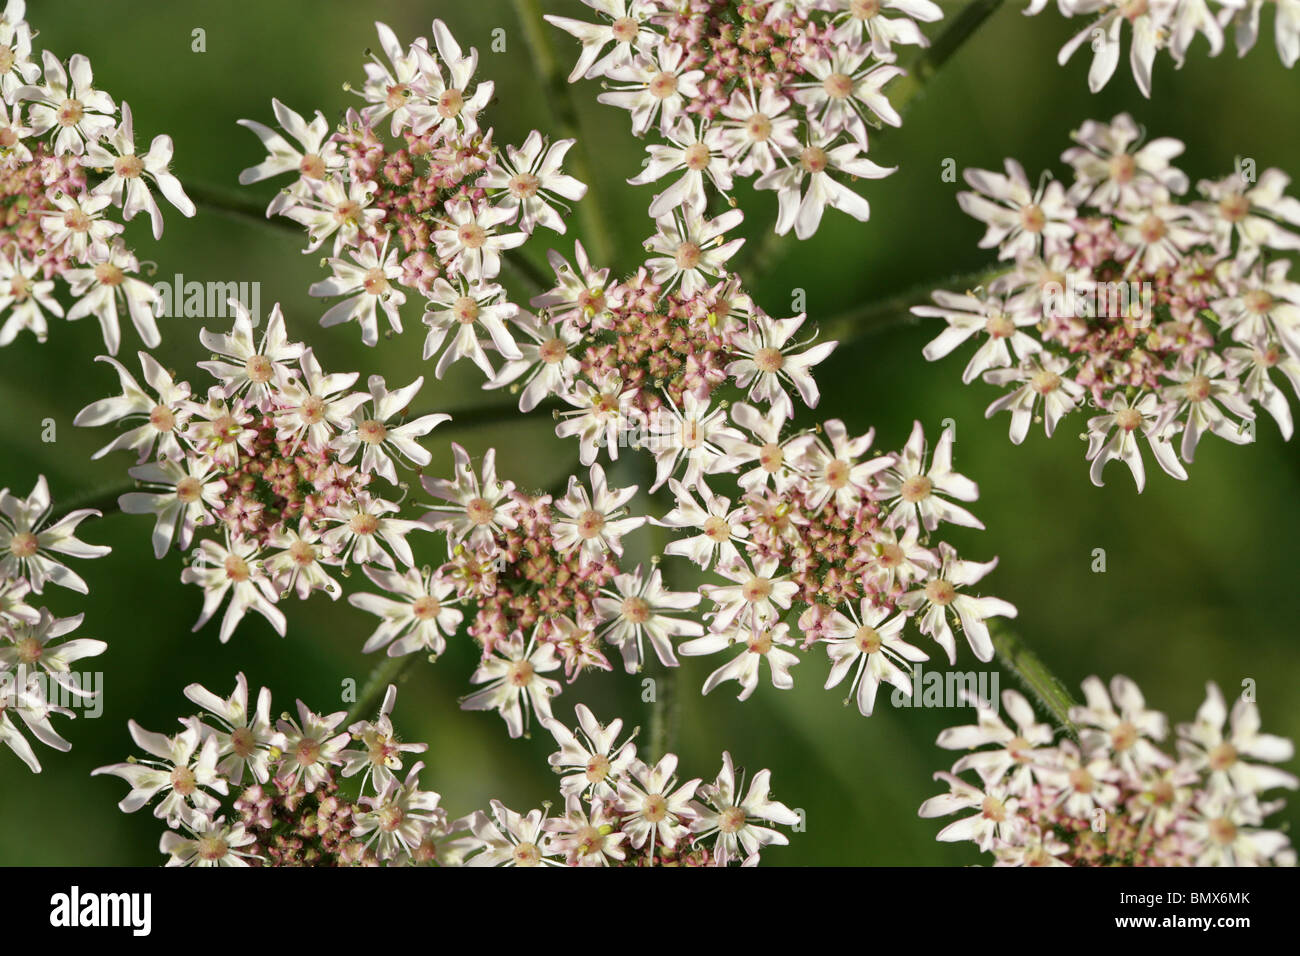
(432, 206)
(1170, 25)
(1116, 797)
(36, 679)
(278, 459)
(781, 91)
(544, 576)
(804, 525)
(236, 788)
(1169, 316)
(68, 166)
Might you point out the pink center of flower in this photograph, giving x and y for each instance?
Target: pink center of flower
(162, 418)
(663, 85)
(23, 545)
(1044, 382)
(731, 820)
(29, 650)
(258, 368)
(1234, 208)
(182, 779)
(1000, 326)
(108, 274)
(312, 166)
(993, 809)
(717, 529)
(128, 167)
(1223, 756)
(769, 360)
(940, 592)
(771, 457)
(696, 157)
(472, 235)
(346, 211)
(523, 185)
(426, 608)
(313, 410)
(756, 589)
(655, 809)
(636, 610)
(868, 639)
(759, 127)
(1152, 229)
(188, 490)
(480, 511)
(302, 553)
(814, 159)
(864, 9)
(1223, 831)
(372, 432)
(375, 282)
(916, 489)
(76, 220)
(1197, 388)
(1122, 168)
(1032, 218)
(837, 474)
(242, 742)
(363, 524)
(1123, 736)
(70, 113)
(688, 255)
(838, 86)
(590, 524)
(1258, 301)
(1128, 418)
(520, 674)
(624, 29)
(1082, 781)
(552, 351)
(236, 568)
(597, 768)
(450, 103)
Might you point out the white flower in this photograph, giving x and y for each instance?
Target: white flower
(761, 641)
(77, 111)
(603, 417)
(183, 766)
(298, 562)
(28, 548)
(318, 155)
(30, 647)
(594, 522)
(546, 365)
(526, 178)
(311, 746)
(166, 413)
(1150, 20)
(590, 758)
(373, 434)
(657, 813)
(479, 510)
(381, 752)
(512, 840)
(469, 242)
(738, 823)
(720, 526)
(873, 644)
(1114, 167)
(366, 285)
(833, 472)
(466, 310)
(696, 152)
(769, 361)
(245, 736)
(23, 296)
(314, 407)
(101, 285)
(801, 208)
(634, 609)
(915, 490)
(1041, 376)
(210, 843)
(690, 249)
(842, 91)
(757, 132)
(399, 818)
(1014, 762)
(242, 364)
(1194, 393)
(932, 602)
(127, 184)
(1021, 220)
(515, 685)
(655, 86)
(330, 210)
(78, 224)
(452, 107)
(995, 818)
(1128, 736)
(422, 618)
(628, 29)
(693, 434)
(1147, 414)
(233, 568)
(1234, 761)
(182, 495)
(364, 522)
(579, 295)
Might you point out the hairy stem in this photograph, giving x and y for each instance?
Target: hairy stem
(951, 39)
(1042, 684)
(388, 671)
(559, 100)
(664, 714)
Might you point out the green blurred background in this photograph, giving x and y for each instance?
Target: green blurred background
(1200, 574)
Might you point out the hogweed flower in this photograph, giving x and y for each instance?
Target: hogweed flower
(1121, 796)
(724, 91)
(1167, 315)
(72, 175)
(297, 811)
(416, 198)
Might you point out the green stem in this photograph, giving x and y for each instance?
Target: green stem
(1045, 686)
(954, 35)
(390, 670)
(872, 317)
(664, 716)
(559, 100)
(103, 500)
